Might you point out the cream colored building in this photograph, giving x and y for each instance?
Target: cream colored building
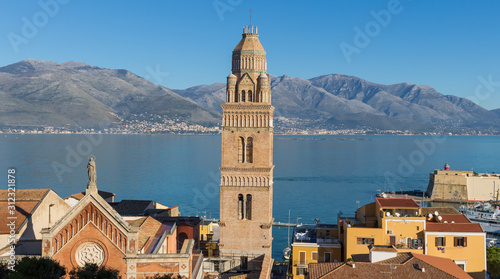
(34, 209)
(453, 185)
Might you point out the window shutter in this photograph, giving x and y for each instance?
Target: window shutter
(465, 241)
(437, 241)
(455, 241)
(444, 241)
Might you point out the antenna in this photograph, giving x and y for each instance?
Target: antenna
(250, 16)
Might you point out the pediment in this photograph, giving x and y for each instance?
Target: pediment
(91, 202)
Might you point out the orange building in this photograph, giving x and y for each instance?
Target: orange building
(402, 223)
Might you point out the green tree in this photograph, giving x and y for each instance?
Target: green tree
(37, 268)
(93, 271)
(493, 261)
(4, 270)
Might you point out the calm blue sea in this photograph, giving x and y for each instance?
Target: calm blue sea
(315, 176)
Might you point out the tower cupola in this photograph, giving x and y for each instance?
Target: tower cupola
(249, 55)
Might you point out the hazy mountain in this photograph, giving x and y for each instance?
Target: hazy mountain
(347, 101)
(42, 93)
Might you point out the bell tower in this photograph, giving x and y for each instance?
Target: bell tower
(246, 190)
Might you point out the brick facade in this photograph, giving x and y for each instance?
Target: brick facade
(246, 190)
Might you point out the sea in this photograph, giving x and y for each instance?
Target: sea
(315, 177)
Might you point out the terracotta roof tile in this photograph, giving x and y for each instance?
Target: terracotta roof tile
(397, 203)
(25, 194)
(148, 229)
(316, 270)
(137, 222)
(459, 218)
(401, 258)
(444, 264)
(23, 210)
(26, 201)
(440, 210)
(412, 268)
(450, 227)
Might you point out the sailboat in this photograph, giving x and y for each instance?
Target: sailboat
(287, 250)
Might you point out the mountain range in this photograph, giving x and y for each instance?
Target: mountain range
(336, 101)
(74, 94)
(43, 93)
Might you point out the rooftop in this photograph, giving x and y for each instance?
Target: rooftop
(405, 265)
(250, 41)
(26, 202)
(382, 248)
(458, 218)
(103, 194)
(25, 194)
(396, 203)
(132, 207)
(453, 227)
(308, 234)
(440, 210)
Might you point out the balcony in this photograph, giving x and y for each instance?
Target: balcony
(399, 213)
(309, 234)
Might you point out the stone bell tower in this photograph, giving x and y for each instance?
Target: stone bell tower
(246, 190)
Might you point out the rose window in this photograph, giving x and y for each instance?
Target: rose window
(90, 252)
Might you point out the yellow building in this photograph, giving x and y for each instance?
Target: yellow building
(313, 244)
(403, 224)
(462, 242)
(209, 238)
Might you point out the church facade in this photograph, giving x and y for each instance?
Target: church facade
(138, 245)
(246, 190)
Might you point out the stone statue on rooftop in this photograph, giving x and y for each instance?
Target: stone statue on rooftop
(91, 171)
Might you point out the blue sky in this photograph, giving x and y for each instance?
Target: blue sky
(452, 46)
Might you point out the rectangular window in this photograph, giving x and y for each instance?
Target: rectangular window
(327, 233)
(440, 241)
(365, 241)
(244, 263)
(462, 264)
(302, 257)
(328, 257)
(460, 241)
(314, 256)
(409, 242)
(301, 271)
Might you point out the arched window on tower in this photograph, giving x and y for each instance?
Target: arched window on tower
(240, 206)
(241, 150)
(235, 96)
(249, 207)
(249, 150)
(243, 95)
(250, 96)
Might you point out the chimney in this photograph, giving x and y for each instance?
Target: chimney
(353, 265)
(423, 269)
